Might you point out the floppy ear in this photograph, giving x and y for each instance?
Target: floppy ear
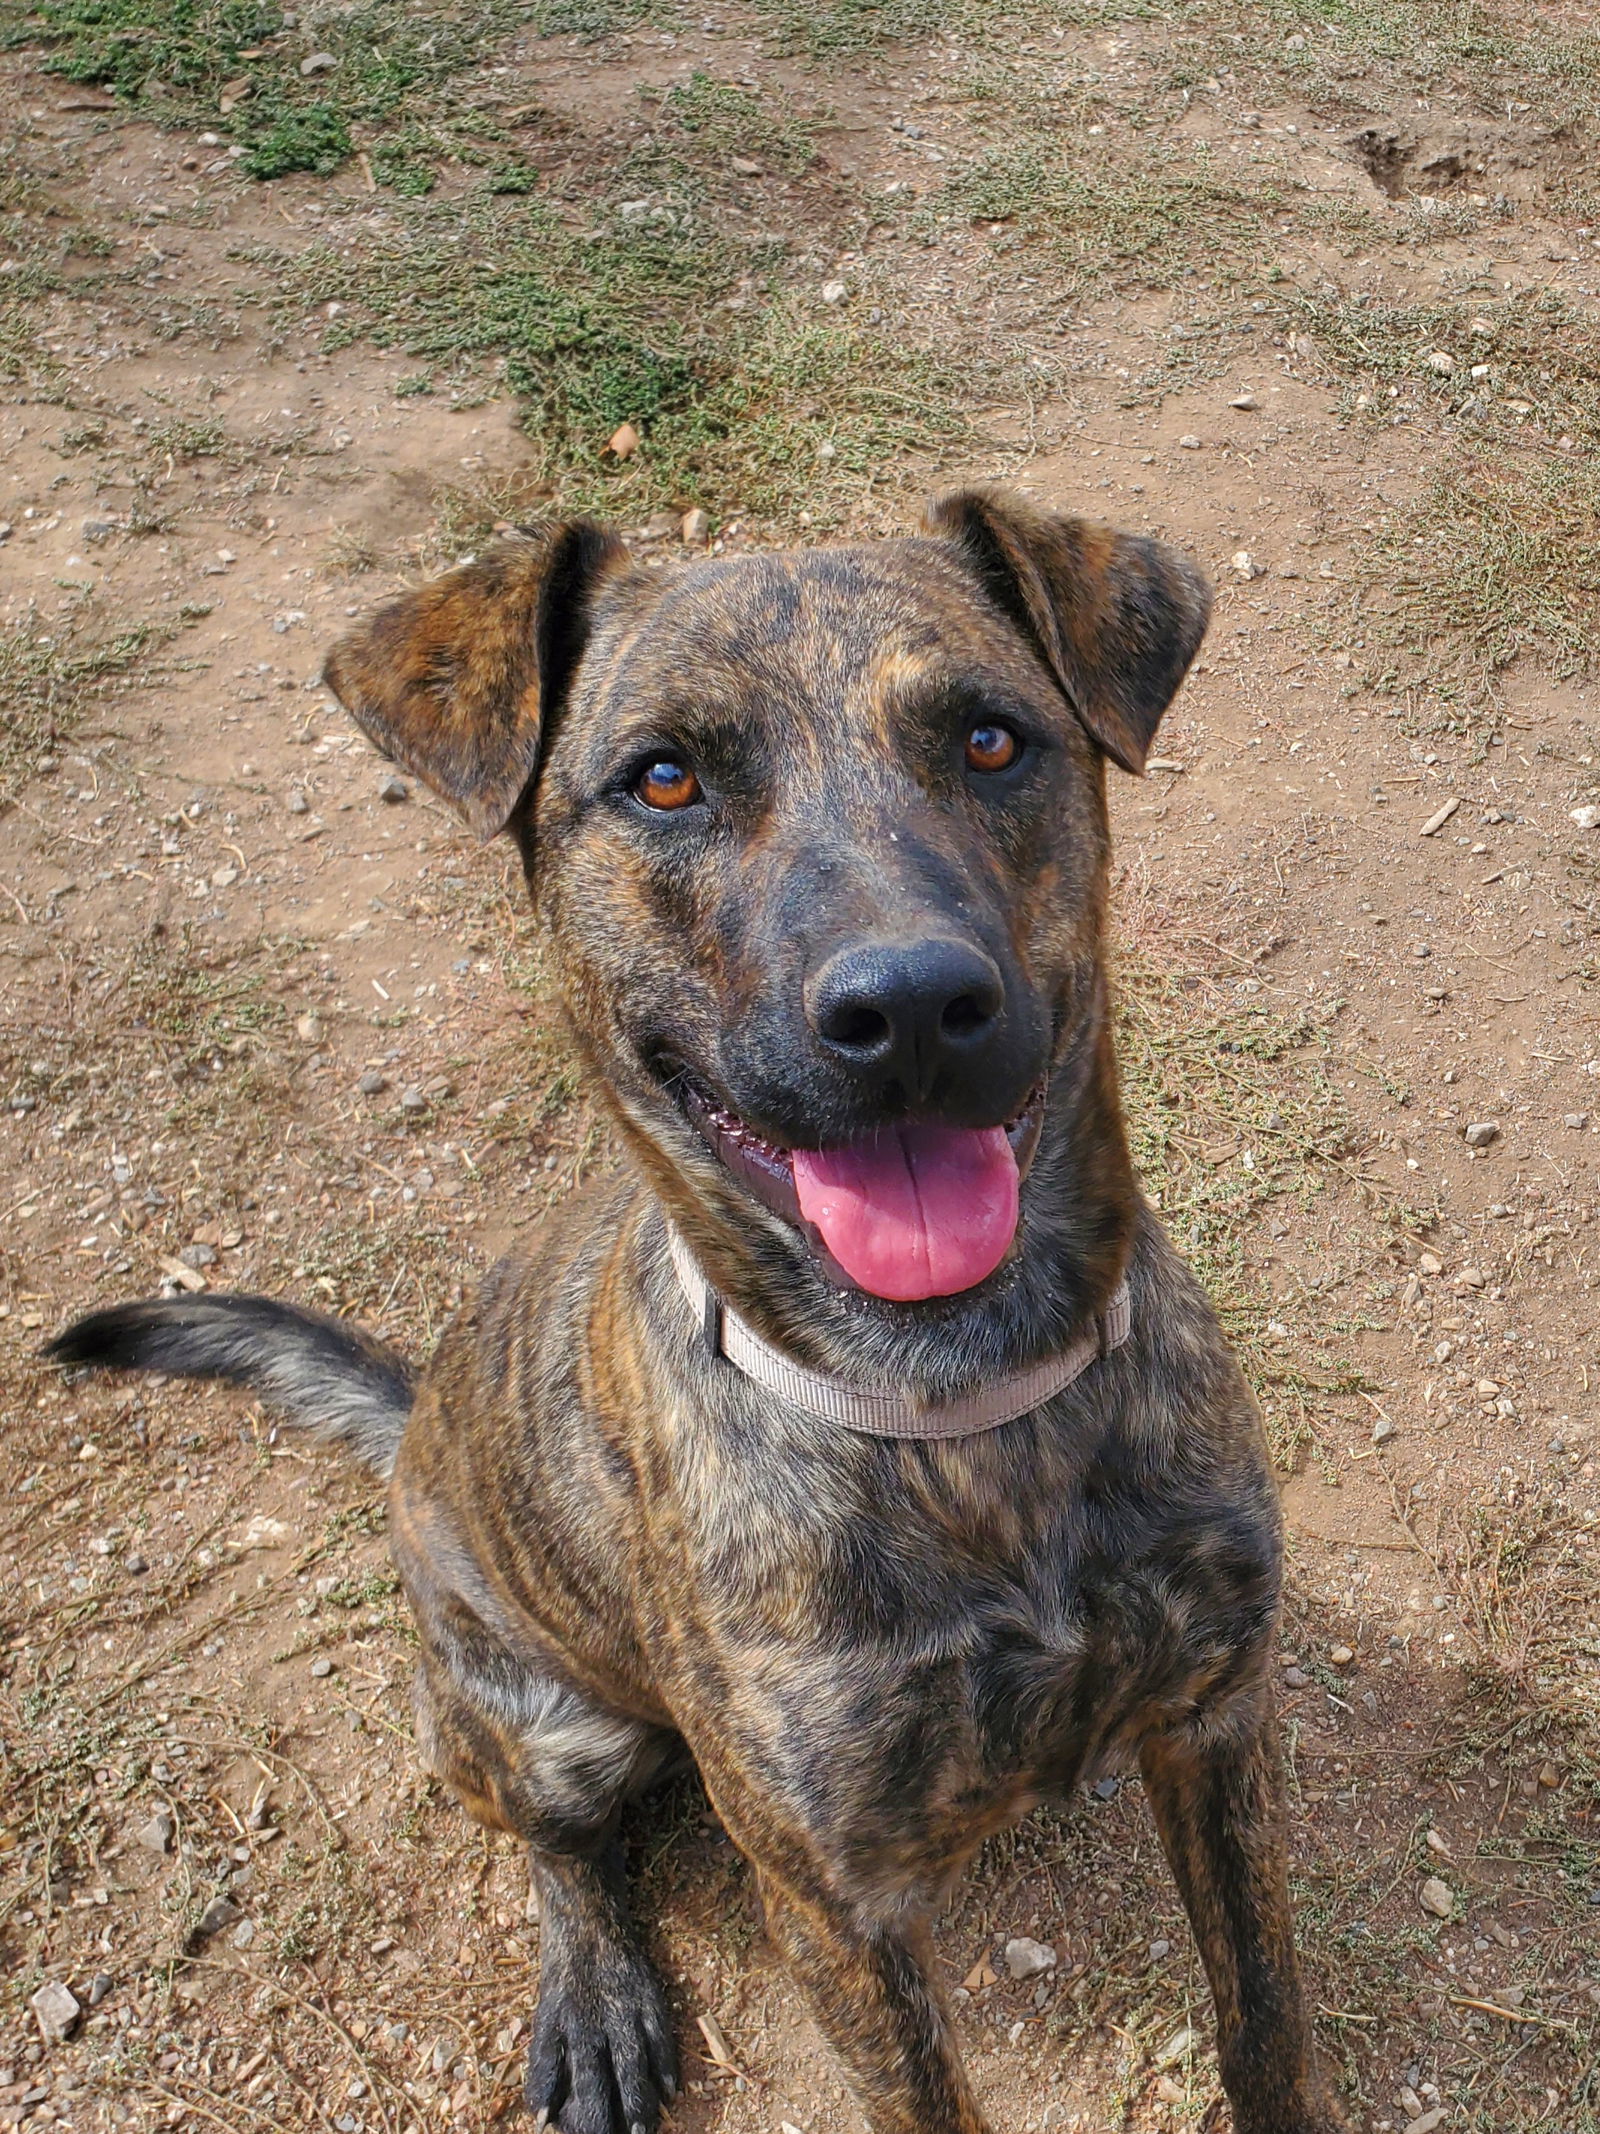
(1115, 618)
(457, 680)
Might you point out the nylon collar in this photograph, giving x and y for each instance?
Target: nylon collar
(879, 1413)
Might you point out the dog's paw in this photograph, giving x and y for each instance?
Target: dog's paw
(603, 2060)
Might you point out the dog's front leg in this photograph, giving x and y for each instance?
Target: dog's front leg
(867, 1984)
(1218, 1801)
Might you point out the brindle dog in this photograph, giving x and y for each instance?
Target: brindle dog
(820, 844)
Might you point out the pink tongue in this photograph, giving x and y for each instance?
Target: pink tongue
(923, 1211)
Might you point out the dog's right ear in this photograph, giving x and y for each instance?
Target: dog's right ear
(457, 682)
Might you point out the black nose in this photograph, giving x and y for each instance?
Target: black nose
(906, 1012)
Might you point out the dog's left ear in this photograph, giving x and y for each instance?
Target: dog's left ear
(459, 680)
(1115, 618)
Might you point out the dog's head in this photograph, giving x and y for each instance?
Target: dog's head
(821, 842)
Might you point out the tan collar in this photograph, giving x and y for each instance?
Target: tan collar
(879, 1413)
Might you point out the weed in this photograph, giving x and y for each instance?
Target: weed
(1140, 223)
(728, 120)
(47, 678)
(294, 92)
(1496, 559)
(599, 325)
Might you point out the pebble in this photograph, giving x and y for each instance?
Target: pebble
(834, 292)
(297, 804)
(135, 1563)
(1441, 360)
(1026, 1959)
(322, 1668)
(56, 2011)
(1576, 1120)
(694, 530)
(1435, 1897)
(319, 63)
(243, 1934)
(1246, 399)
(225, 877)
(372, 1083)
(1427, 2123)
(1340, 1655)
(219, 1913)
(394, 790)
(1436, 821)
(308, 1028)
(1296, 1678)
(1429, 1263)
(1480, 1133)
(1188, 442)
(1245, 566)
(198, 1255)
(99, 1986)
(1587, 818)
(413, 1100)
(623, 441)
(1171, 2092)
(1470, 1278)
(157, 1835)
(1177, 2047)
(744, 166)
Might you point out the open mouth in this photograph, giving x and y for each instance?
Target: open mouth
(916, 1211)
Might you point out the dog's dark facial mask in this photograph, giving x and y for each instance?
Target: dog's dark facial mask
(821, 842)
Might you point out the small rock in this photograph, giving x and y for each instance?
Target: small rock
(243, 1934)
(319, 63)
(1026, 1959)
(56, 2011)
(1480, 1133)
(1429, 1263)
(1470, 1278)
(1587, 818)
(198, 1255)
(1177, 2047)
(694, 529)
(297, 804)
(394, 790)
(1436, 822)
(1382, 1430)
(224, 878)
(1246, 399)
(1441, 360)
(308, 1028)
(413, 1100)
(623, 441)
(1409, 2102)
(835, 292)
(745, 166)
(1576, 1121)
(1188, 442)
(134, 1562)
(1437, 1843)
(219, 1913)
(1427, 2123)
(1171, 2092)
(372, 1083)
(1245, 566)
(158, 1833)
(1549, 1776)
(1296, 1678)
(99, 1986)
(1340, 1655)
(322, 1668)
(1435, 1897)
(1159, 1950)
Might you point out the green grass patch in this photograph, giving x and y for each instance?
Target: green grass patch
(773, 407)
(380, 72)
(727, 119)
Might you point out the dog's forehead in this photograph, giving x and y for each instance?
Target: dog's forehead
(884, 613)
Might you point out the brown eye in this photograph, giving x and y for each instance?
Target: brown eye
(992, 747)
(667, 785)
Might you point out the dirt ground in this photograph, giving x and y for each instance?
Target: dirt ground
(1315, 292)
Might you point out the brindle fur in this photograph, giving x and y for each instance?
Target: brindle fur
(876, 1652)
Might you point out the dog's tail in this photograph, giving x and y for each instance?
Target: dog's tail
(331, 1378)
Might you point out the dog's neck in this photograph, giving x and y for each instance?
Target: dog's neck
(1080, 1212)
